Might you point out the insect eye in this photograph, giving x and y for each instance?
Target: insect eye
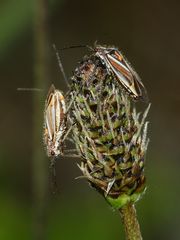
(52, 153)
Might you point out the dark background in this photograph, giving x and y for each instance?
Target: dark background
(148, 32)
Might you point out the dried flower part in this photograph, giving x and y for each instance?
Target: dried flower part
(108, 133)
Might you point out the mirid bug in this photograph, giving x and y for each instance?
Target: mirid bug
(117, 64)
(56, 127)
(54, 122)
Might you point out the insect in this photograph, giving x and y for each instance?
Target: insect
(117, 64)
(54, 129)
(54, 122)
(125, 74)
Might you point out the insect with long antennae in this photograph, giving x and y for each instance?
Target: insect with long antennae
(55, 123)
(126, 76)
(55, 115)
(118, 65)
(56, 129)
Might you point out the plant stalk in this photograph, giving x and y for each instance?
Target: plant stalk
(130, 222)
(41, 78)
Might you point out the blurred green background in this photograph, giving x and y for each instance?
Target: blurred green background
(148, 33)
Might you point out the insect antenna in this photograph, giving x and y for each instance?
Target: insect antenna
(30, 89)
(60, 65)
(77, 46)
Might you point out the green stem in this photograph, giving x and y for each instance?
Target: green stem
(130, 221)
(41, 78)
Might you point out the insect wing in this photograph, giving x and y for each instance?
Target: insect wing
(54, 121)
(139, 86)
(50, 114)
(128, 78)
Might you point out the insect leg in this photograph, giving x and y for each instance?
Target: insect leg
(53, 177)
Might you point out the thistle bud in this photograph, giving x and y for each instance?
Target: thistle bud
(108, 133)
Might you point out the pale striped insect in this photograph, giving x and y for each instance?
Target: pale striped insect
(55, 121)
(55, 128)
(117, 64)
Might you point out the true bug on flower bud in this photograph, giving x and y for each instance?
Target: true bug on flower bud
(117, 64)
(54, 122)
(56, 128)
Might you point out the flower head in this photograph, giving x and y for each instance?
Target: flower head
(108, 133)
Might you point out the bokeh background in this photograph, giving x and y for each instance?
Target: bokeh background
(148, 32)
